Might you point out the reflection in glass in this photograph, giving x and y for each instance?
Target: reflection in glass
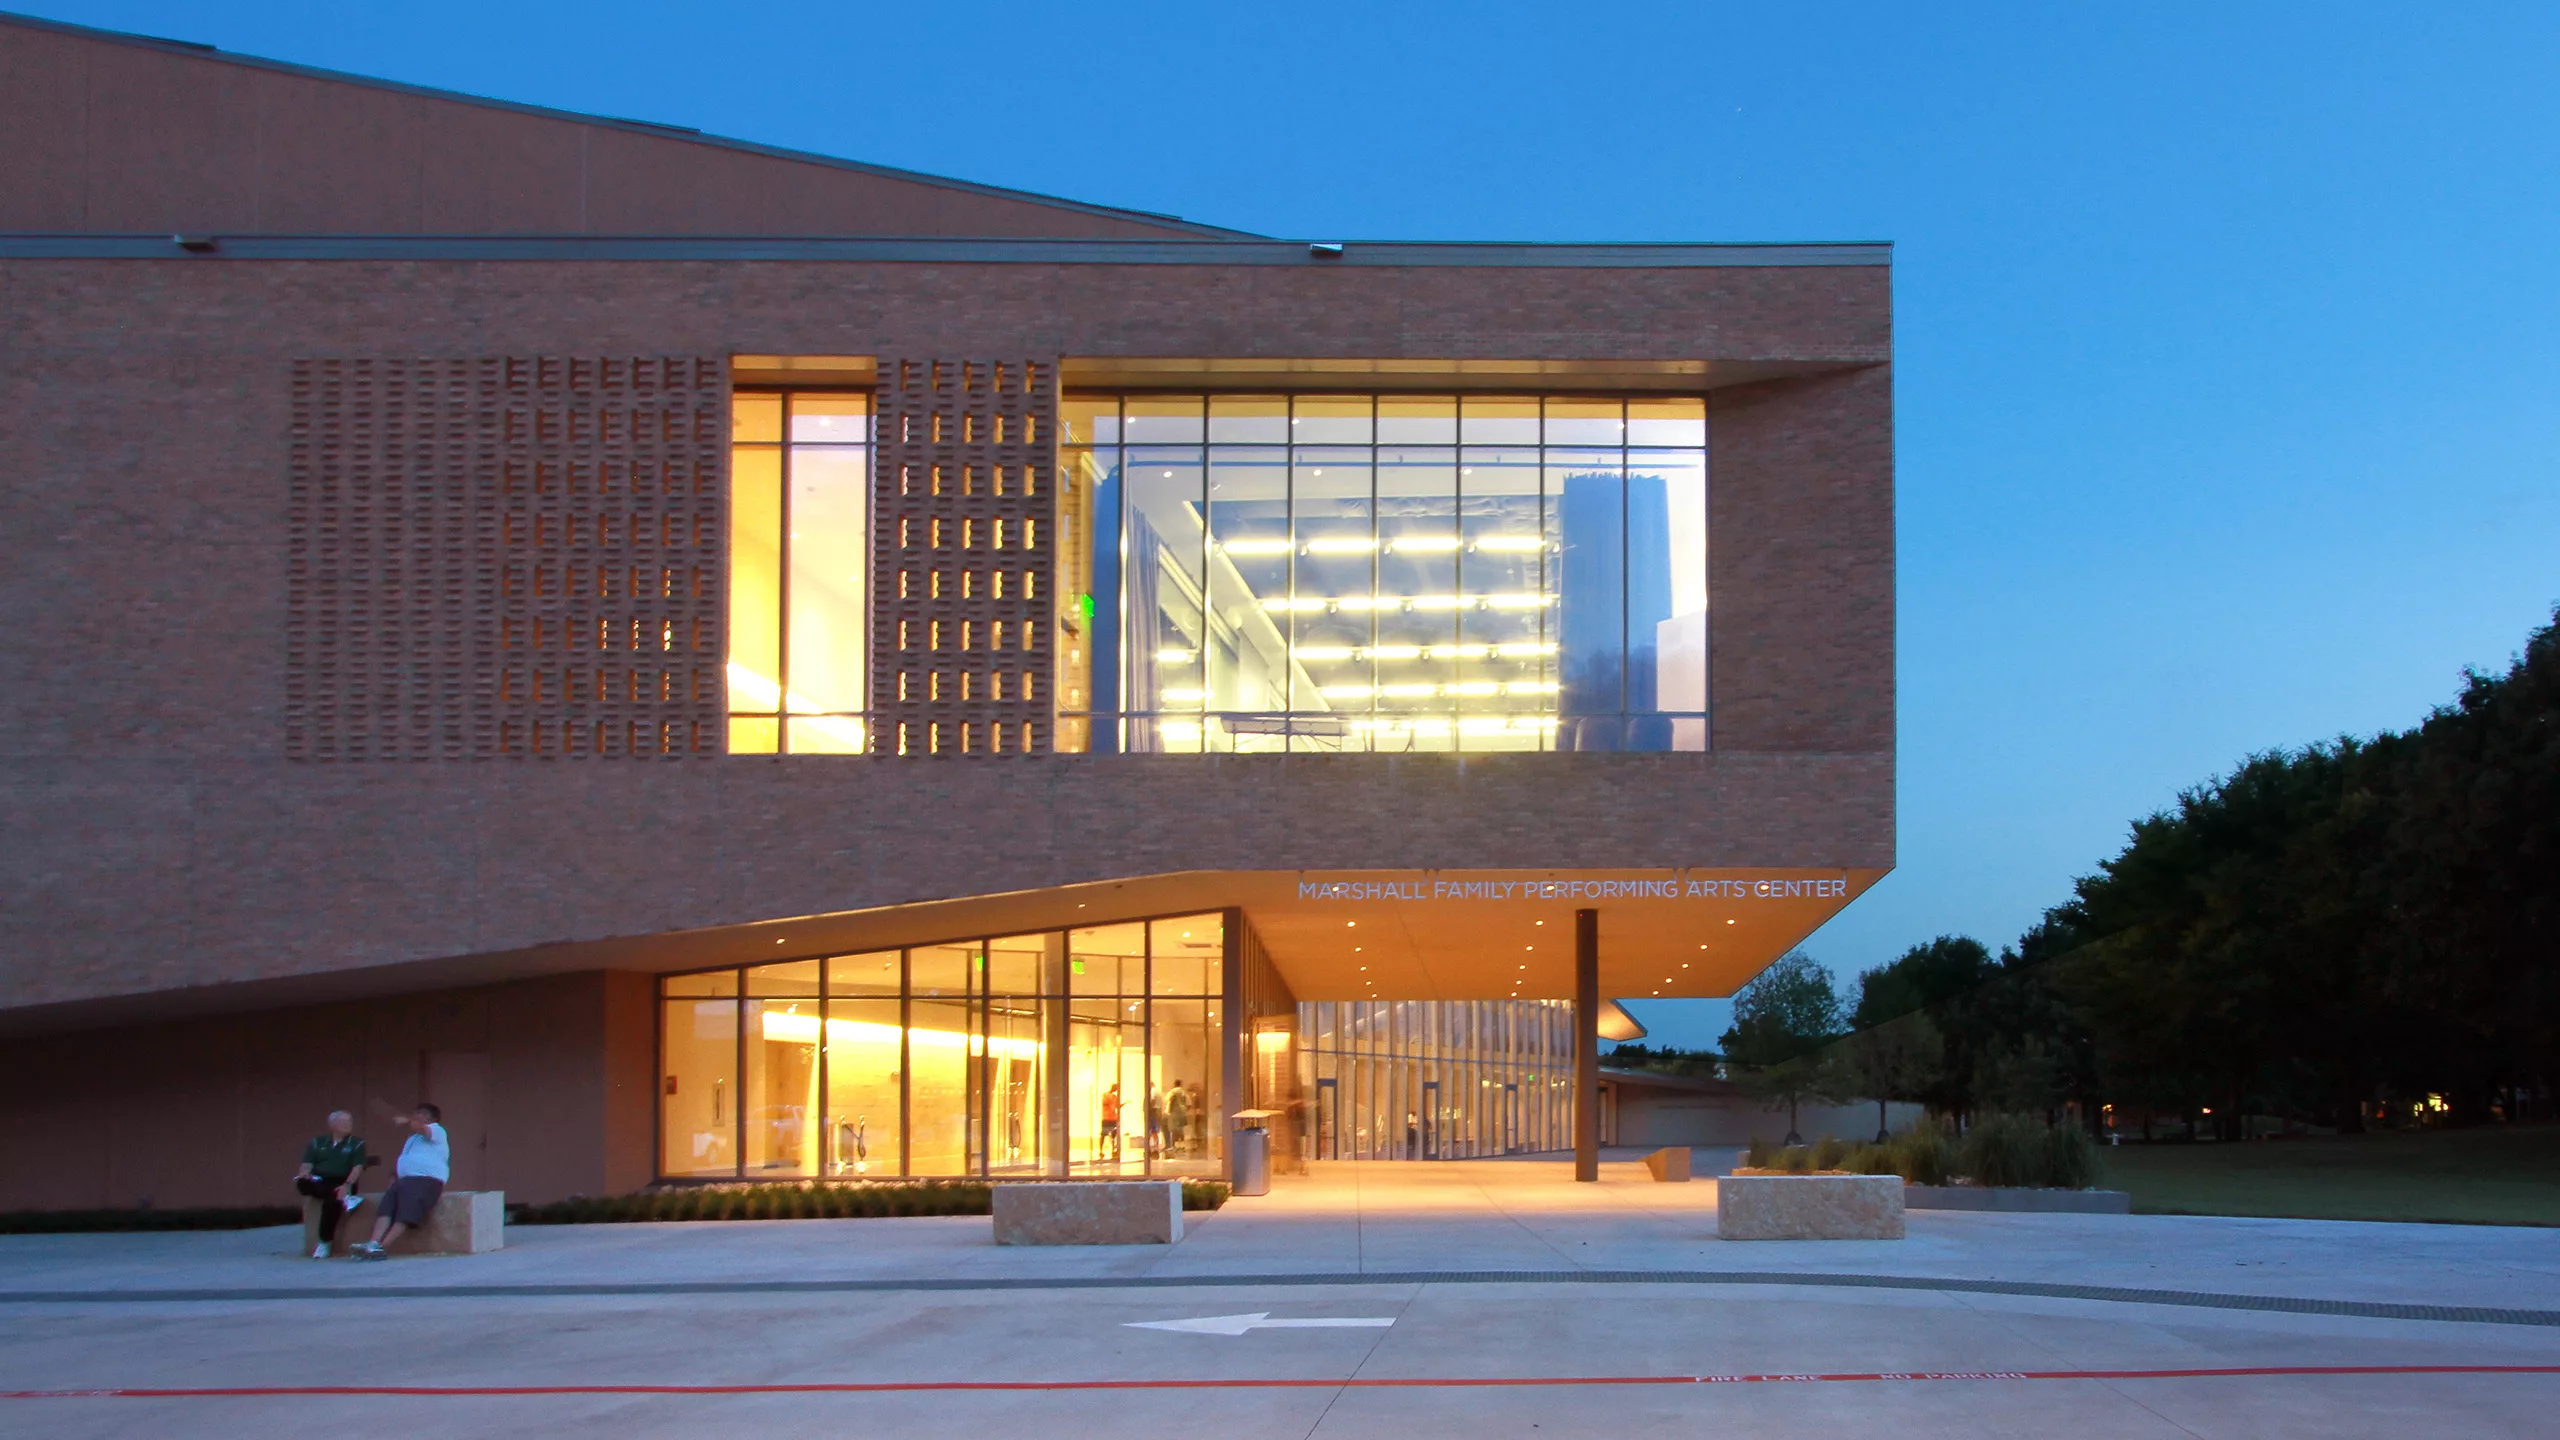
(1185, 1114)
(1248, 560)
(755, 585)
(698, 1040)
(1164, 634)
(938, 1044)
(799, 567)
(864, 1065)
(1404, 573)
(782, 1088)
(943, 1059)
(1436, 1080)
(1011, 1048)
(1107, 960)
(1592, 600)
(1667, 597)
(1186, 955)
(872, 974)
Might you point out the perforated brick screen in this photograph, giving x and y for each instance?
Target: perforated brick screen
(964, 551)
(506, 556)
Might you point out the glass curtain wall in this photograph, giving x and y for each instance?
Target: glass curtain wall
(1391, 572)
(799, 567)
(1089, 1051)
(1436, 1079)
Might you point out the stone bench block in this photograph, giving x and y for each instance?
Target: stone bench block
(1670, 1163)
(465, 1222)
(1809, 1207)
(2017, 1199)
(1090, 1212)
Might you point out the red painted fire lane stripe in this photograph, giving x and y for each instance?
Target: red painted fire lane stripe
(1418, 1382)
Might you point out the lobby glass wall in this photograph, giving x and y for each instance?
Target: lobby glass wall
(799, 566)
(1436, 1079)
(1087, 1051)
(1391, 572)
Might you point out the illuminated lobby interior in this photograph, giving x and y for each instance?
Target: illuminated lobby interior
(1312, 572)
(1292, 572)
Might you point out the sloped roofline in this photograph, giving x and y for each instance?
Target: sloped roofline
(200, 50)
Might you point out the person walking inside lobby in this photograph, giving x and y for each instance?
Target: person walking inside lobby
(426, 1162)
(330, 1167)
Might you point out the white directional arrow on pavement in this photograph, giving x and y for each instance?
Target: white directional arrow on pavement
(1261, 1320)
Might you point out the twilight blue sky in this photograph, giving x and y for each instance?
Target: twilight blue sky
(2226, 350)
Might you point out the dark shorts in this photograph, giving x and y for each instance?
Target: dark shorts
(411, 1199)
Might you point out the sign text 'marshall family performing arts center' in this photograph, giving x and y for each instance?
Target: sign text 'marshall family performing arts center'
(1649, 887)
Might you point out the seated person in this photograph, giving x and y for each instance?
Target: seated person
(331, 1165)
(426, 1162)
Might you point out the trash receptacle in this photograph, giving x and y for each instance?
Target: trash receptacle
(1251, 1155)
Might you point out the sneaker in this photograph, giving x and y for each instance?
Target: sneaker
(320, 1252)
(369, 1251)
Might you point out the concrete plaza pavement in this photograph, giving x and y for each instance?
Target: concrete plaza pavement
(868, 1303)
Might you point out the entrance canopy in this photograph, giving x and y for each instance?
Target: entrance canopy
(1365, 934)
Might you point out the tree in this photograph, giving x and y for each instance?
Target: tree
(1780, 1020)
(1923, 976)
(1898, 1060)
(1822, 1077)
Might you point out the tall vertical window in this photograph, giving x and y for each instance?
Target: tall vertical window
(1436, 1079)
(1392, 572)
(799, 569)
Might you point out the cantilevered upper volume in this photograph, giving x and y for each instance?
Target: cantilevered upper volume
(109, 133)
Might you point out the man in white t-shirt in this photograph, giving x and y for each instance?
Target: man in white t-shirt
(426, 1162)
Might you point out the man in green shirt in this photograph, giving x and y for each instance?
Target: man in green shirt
(331, 1166)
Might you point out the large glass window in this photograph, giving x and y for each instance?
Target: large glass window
(947, 1060)
(1391, 572)
(698, 1100)
(1436, 1079)
(799, 567)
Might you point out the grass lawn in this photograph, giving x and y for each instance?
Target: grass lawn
(2494, 1175)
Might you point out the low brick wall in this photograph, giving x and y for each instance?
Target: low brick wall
(1100, 1212)
(2018, 1199)
(1809, 1207)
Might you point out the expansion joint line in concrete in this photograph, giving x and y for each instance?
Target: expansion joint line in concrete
(2198, 1299)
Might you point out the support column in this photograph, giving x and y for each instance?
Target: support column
(1055, 1033)
(1235, 1036)
(1586, 1045)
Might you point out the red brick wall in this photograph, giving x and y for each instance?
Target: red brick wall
(160, 836)
(112, 137)
(214, 1111)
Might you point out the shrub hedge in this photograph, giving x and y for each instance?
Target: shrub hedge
(1999, 1150)
(811, 1200)
(75, 1222)
(807, 1200)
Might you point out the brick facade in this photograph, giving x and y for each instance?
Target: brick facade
(166, 839)
(965, 547)
(508, 556)
(343, 589)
